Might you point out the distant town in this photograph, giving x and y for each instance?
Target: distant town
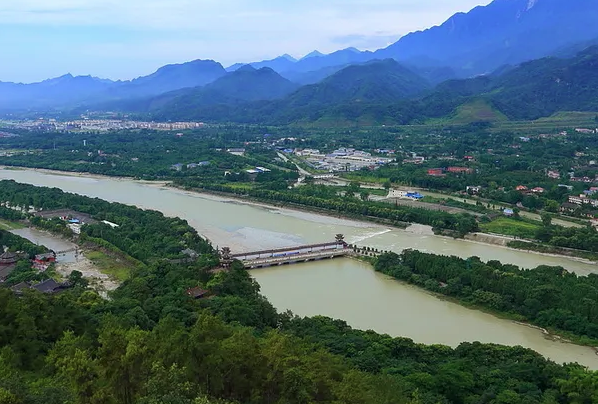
(95, 125)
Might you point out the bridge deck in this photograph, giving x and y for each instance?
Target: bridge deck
(296, 258)
(300, 249)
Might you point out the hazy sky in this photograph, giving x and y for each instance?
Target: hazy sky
(122, 39)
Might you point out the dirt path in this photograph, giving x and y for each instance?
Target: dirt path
(97, 280)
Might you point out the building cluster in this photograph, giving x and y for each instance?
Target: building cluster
(190, 166)
(101, 125)
(441, 172)
(530, 191)
(555, 175)
(585, 198)
(237, 151)
(343, 159)
(258, 170)
(9, 260)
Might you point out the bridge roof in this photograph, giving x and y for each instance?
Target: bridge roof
(301, 247)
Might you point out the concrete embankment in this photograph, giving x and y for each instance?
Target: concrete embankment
(489, 239)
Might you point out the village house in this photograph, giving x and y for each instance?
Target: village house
(395, 193)
(414, 160)
(459, 170)
(568, 207)
(8, 258)
(583, 200)
(473, 190)
(538, 190)
(197, 293)
(237, 151)
(555, 175)
(49, 286)
(5, 272)
(521, 188)
(436, 172)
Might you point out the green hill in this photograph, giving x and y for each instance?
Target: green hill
(475, 110)
(243, 85)
(385, 92)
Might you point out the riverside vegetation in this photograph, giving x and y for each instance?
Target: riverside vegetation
(549, 297)
(152, 343)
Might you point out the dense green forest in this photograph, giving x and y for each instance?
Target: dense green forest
(152, 343)
(143, 154)
(550, 297)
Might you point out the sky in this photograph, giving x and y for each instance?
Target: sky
(124, 39)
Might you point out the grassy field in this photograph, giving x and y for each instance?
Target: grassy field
(511, 227)
(6, 225)
(477, 110)
(118, 268)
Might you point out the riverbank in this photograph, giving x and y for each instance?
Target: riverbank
(83, 174)
(298, 211)
(291, 208)
(416, 228)
(508, 243)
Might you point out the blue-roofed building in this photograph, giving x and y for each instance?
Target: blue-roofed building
(508, 212)
(415, 195)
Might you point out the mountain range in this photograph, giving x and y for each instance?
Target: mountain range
(434, 69)
(386, 92)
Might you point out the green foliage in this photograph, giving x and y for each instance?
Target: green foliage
(512, 227)
(151, 343)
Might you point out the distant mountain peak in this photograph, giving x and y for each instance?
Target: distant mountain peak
(352, 49)
(313, 54)
(246, 68)
(288, 57)
(499, 33)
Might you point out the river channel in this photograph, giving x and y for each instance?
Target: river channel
(344, 288)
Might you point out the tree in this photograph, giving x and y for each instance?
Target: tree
(552, 206)
(76, 279)
(546, 220)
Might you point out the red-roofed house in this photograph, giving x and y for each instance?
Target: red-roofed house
(435, 172)
(459, 170)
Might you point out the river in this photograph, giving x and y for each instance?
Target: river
(342, 288)
(50, 241)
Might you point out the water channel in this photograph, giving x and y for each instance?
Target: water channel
(50, 241)
(343, 288)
